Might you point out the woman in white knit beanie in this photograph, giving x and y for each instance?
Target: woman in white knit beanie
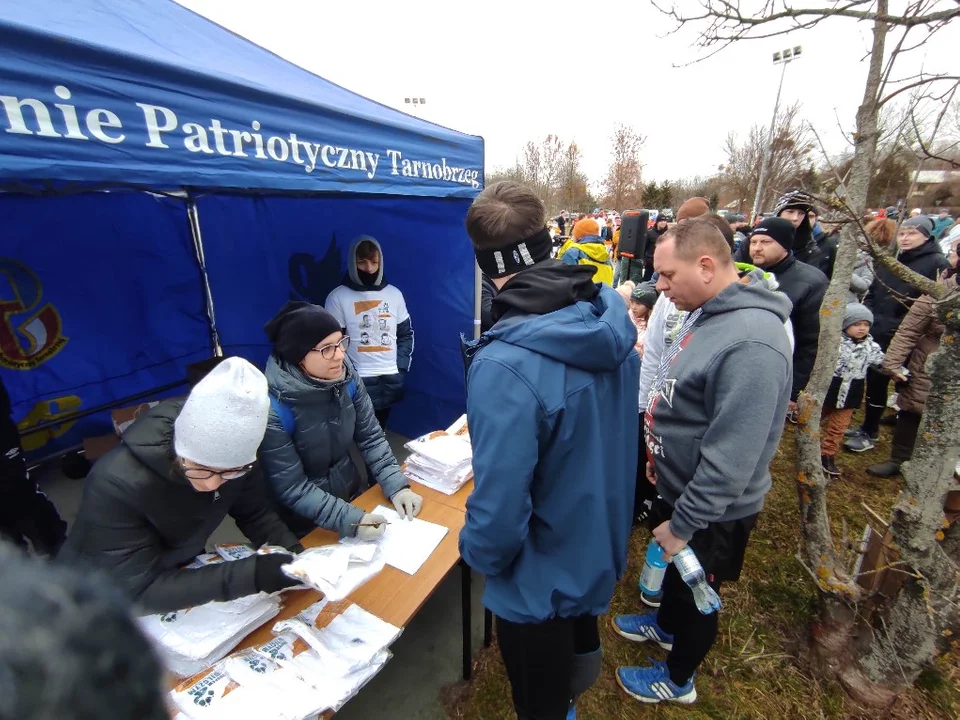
(150, 505)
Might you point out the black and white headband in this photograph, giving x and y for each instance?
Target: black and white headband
(518, 256)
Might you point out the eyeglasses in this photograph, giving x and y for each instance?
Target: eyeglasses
(328, 352)
(202, 473)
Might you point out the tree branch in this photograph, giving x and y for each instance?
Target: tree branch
(721, 13)
(918, 83)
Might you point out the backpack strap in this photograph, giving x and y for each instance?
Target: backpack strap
(284, 413)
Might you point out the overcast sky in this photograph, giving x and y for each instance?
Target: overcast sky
(518, 70)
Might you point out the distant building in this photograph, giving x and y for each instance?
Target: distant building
(926, 178)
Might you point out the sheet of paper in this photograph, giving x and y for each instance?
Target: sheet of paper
(405, 544)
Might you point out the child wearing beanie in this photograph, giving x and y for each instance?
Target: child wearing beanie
(642, 300)
(858, 351)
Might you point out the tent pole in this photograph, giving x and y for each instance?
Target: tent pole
(477, 300)
(194, 219)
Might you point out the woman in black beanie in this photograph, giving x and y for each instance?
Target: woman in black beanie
(321, 408)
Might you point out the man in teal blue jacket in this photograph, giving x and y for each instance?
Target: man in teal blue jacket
(549, 519)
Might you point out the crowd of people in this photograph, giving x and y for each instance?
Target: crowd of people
(572, 346)
(720, 308)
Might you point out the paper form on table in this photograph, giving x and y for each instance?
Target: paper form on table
(405, 544)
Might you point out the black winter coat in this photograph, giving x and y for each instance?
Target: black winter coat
(827, 246)
(805, 247)
(805, 285)
(141, 521)
(890, 297)
(650, 244)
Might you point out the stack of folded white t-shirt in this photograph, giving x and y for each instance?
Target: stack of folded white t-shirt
(440, 460)
(301, 673)
(192, 639)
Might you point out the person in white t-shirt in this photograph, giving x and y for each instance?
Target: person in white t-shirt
(375, 313)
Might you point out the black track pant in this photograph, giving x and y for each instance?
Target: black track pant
(878, 387)
(541, 661)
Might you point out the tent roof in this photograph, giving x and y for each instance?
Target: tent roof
(132, 57)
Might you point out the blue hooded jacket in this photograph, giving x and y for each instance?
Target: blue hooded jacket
(549, 519)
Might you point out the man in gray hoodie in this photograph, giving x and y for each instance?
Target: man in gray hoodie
(712, 425)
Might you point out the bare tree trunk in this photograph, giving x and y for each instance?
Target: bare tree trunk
(878, 659)
(811, 485)
(926, 610)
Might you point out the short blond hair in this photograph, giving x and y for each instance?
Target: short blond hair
(504, 213)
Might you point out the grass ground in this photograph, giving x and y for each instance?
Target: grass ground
(759, 667)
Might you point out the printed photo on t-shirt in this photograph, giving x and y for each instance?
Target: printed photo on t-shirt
(378, 326)
(371, 320)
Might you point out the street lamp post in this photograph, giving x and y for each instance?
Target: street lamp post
(416, 102)
(783, 58)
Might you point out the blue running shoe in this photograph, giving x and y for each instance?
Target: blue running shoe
(642, 628)
(653, 685)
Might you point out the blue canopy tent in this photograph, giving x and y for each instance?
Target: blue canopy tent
(168, 185)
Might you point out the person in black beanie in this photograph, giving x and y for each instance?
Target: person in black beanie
(794, 206)
(770, 249)
(320, 409)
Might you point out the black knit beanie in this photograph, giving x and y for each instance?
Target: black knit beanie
(776, 229)
(297, 328)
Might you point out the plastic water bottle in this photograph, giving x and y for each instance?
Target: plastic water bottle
(654, 568)
(693, 575)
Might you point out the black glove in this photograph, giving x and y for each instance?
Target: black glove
(296, 549)
(268, 577)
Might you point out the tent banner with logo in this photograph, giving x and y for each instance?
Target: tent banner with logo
(100, 298)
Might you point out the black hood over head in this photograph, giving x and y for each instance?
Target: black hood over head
(544, 288)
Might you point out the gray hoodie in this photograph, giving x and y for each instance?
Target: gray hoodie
(715, 424)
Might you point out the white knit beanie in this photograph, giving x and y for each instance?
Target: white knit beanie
(224, 418)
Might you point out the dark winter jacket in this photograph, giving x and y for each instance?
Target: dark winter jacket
(805, 247)
(141, 520)
(805, 285)
(6, 407)
(650, 244)
(487, 291)
(890, 297)
(827, 246)
(310, 473)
